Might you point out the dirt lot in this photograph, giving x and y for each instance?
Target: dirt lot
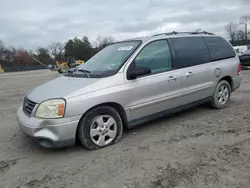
(201, 147)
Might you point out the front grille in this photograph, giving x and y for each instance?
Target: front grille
(28, 106)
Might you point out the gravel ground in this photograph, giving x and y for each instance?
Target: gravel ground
(200, 147)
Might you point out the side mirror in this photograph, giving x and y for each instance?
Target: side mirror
(138, 71)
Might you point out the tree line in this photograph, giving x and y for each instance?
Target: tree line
(76, 48)
(81, 48)
(238, 31)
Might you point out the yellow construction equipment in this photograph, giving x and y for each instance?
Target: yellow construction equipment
(79, 62)
(64, 66)
(61, 66)
(1, 69)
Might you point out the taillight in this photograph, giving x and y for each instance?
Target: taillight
(239, 69)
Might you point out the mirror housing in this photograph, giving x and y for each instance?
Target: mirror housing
(138, 71)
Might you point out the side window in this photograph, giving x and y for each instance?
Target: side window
(156, 56)
(219, 48)
(189, 51)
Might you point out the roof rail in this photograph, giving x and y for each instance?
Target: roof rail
(191, 33)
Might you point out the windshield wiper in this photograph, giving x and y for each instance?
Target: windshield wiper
(85, 71)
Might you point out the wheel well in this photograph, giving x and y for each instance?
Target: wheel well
(120, 110)
(116, 106)
(229, 80)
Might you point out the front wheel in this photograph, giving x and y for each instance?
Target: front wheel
(100, 127)
(221, 95)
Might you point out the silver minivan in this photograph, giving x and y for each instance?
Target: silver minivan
(129, 83)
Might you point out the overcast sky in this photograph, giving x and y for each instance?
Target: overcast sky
(33, 23)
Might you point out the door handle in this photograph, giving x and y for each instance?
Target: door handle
(189, 74)
(172, 78)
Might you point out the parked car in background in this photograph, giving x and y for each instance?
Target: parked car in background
(240, 49)
(245, 58)
(128, 83)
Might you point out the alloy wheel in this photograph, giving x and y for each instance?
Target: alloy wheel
(103, 130)
(223, 95)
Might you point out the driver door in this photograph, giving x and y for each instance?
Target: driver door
(158, 91)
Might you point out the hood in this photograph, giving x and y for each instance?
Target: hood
(58, 88)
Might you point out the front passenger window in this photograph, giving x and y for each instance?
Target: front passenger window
(156, 56)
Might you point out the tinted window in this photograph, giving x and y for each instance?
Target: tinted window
(219, 48)
(190, 51)
(156, 56)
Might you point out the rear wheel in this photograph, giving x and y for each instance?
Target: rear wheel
(100, 127)
(221, 95)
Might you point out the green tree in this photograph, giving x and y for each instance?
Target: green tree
(79, 49)
(2, 48)
(69, 49)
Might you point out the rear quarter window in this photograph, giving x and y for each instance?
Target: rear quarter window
(189, 51)
(219, 48)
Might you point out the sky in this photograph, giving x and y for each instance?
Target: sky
(33, 23)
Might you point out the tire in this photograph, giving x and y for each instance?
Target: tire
(221, 102)
(92, 123)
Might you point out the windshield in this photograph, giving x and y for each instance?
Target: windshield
(109, 60)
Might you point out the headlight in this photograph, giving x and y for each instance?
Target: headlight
(53, 108)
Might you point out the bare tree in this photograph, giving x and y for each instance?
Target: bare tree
(56, 49)
(102, 42)
(245, 20)
(21, 57)
(198, 30)
(240, 35)
(231, 29)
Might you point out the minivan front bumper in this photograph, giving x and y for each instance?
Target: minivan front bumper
(51, 133)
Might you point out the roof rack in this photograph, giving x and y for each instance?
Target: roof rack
(191, 33)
